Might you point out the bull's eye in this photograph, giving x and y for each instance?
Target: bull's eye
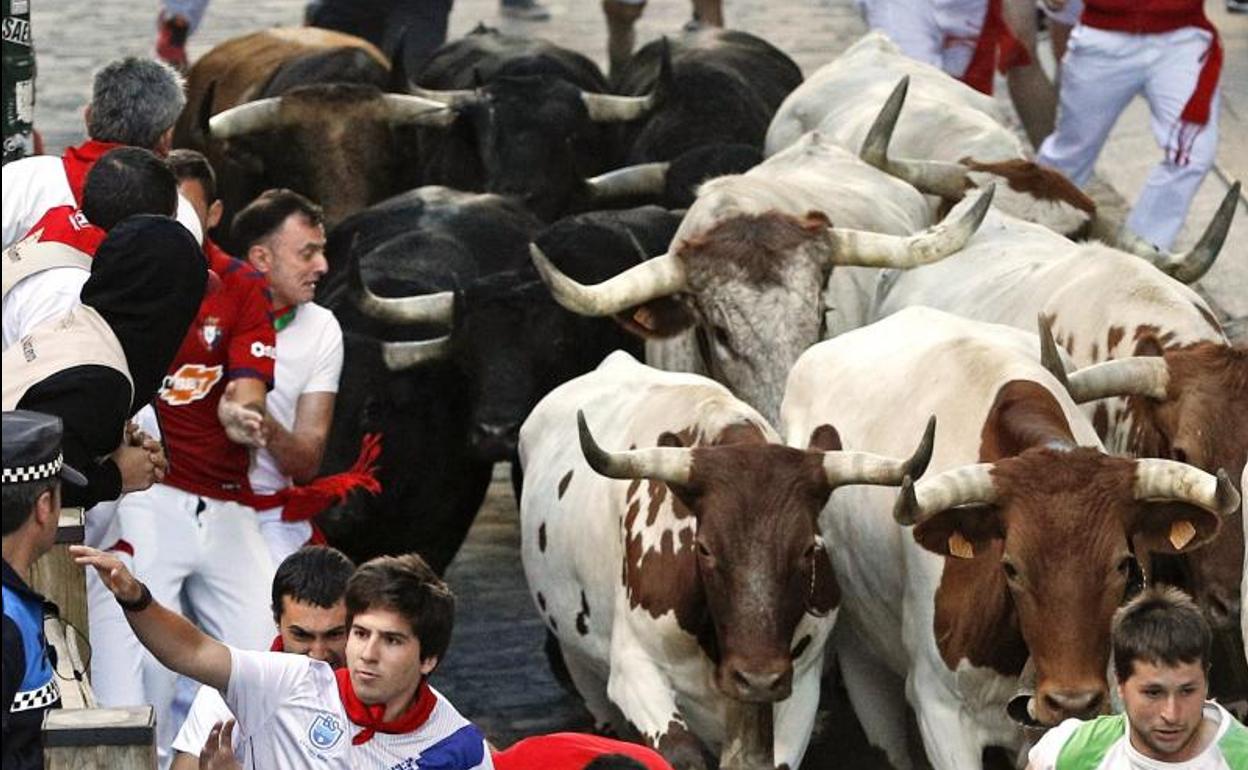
(721, 336)
(1178, 455)
(1124, 566)
(703, 551)
(811, 550)
(1011, 572)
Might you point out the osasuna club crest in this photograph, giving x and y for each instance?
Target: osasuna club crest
(210, 331)
(325, 731)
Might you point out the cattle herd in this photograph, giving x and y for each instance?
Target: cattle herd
(911, 407)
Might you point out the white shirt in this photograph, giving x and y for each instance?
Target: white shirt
(290, 715)
(207, 709)
(31, 186)
(1121, 755)
(309, 360)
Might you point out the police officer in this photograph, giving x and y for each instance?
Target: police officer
(33, 471)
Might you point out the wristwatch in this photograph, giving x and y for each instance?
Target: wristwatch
(139, 604)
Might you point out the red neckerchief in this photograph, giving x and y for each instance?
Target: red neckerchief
(278, 645)
(370, 717)
(996, 47)
(68, 225)
(79, 160)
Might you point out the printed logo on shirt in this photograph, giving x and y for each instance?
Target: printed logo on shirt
(18, 250)
(210, 332)
(190, 382)
(325, 731)
(261, 350)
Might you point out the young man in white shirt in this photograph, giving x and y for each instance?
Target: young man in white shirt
(378, 712)
(1161, 647)
(311, 617)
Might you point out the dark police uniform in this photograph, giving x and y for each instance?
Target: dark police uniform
(32, 452)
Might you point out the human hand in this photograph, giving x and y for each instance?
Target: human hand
(138, 467)
(112, 571)
(218, 751)
(243, 423)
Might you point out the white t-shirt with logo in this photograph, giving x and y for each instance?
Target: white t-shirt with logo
(1107, 738)
(309, 360)
(290, 715)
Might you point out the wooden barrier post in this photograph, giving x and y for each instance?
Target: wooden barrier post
(100, 739)
(58, 578)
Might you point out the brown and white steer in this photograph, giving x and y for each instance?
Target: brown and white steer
(944, 120)
(1016, 545)
(684, 576)
(747, 267)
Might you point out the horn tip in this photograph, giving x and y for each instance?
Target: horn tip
(916, 466)
(589, 447)
(904, 510)
(1227, 498)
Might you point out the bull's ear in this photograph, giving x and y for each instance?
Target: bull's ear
(657, 319)
(964, 532)
(1172, 528)
(825, 592)
(1149, 345)
(825, 439)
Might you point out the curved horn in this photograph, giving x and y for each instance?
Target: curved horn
(865, 468)
(454, 99)
(414, 110)
(1188, 266)
(653, 278)
(1132, 376)
(627, 182)
(399, 356)
(609, 108)
(867, 249)
(670, 464)
(967, 485)
(246, 118)
(948, 180)
(1170, 480)
(436, 308)
(1050, 356)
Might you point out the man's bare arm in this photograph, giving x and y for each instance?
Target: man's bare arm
(241, 411)
(299, 451)
(176, 643)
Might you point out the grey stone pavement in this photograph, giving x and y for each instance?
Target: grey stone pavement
(496, 671)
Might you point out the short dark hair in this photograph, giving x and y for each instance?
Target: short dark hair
(315, 574)
(407, 585)
(614, 762)
(134, 101)
(188, 165)
(1161, 626)
(19, 501)
(126, 181)
(262, 217)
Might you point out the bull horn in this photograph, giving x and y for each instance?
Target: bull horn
(399, 356)
(609, 108)
(436, 308)
(865, 468)
(246, 118)
(867, 249)
(628, 182)
(671, 464)
(414, 110)
(1050, 356)
(454, 99)
(1132, 376)
(1170, 480)
(653, 278)
(967, 485)
(1188, 266)
(947, 180)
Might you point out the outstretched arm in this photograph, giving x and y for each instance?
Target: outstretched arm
(177, 644)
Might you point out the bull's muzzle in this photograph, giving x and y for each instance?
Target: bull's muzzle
(755, 683)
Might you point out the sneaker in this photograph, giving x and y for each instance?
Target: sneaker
(171, 37)
(1237, 6)
(528, 10)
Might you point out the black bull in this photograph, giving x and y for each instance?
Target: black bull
(447, 417)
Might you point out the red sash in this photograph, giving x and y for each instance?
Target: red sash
(302, 502)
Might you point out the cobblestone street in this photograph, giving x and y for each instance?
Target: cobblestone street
(496, 672)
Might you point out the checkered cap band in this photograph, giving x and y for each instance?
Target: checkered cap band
(41, 697)
(34, 472)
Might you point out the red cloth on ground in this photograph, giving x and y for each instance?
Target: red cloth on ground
(571, 751)
(370, 717)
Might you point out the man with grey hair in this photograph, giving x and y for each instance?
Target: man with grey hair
(135, 102)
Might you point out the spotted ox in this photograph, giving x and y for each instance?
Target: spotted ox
(746, 270)
(679, 566)
(944, 120)
(302, 108)
(1016, 546)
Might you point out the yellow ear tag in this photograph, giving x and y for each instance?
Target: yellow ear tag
(960, 547)
(1181, 533)
(644, 318)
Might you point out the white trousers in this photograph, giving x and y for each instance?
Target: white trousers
(116, 655)
(282, 537)
(942, 33)
(1101, 73)
(207, 556)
